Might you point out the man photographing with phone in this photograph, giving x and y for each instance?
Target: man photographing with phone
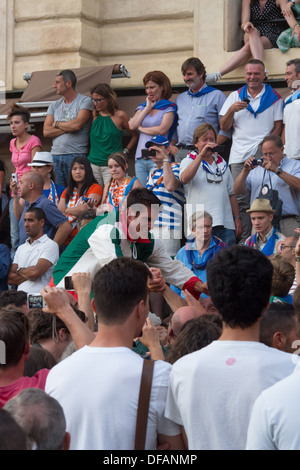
(35, 259)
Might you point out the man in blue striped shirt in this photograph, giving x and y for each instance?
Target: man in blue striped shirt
(164, 181)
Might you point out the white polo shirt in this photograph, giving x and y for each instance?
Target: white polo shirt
(291, 119)
(249, 131)
(28, 255)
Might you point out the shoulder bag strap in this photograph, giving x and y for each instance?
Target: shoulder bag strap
(143, 405)
(262, 184)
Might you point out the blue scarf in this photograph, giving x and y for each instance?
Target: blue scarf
(268, 249)
(295, 96)
(164, 104)
(203, 91)
(269, 97)
(191, 251)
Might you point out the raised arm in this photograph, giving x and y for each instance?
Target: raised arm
(226, 121)
(190, 171)
(83, 285)
(57, 302)
(239, 185)
(135, 122)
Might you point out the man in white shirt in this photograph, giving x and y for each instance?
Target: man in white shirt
(291, 113)
(252, 112)
(98, 386)
(212, 391)
(35, 259)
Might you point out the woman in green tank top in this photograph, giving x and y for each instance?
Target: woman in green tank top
(106, 136)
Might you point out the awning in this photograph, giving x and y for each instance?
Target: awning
(39, 92)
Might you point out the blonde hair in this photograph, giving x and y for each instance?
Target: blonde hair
(283, 276)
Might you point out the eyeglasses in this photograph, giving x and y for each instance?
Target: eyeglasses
(282, 245)
(98, 100)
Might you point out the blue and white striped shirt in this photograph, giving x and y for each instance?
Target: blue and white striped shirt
(171, 214)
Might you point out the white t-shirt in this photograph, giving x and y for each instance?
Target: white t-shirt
(248, 131)
(98, 389)
(213, 196)
(274, 422)
(28, 255)
(291, 119)
(212, 391)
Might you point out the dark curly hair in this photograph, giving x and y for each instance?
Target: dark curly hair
(239, 280)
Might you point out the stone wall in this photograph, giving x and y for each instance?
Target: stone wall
(140, 34)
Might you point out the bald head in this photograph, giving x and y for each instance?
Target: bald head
(34, 178)
(180, 317)
(31, 186)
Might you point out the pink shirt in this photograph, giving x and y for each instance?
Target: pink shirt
(21, 158)
(37, 381)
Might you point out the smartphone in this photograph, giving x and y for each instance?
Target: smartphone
(89, 200)
(69, 283)
(35, 301)
(14, 177)
(246, 100)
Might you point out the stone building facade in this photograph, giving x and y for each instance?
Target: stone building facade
(144, 35)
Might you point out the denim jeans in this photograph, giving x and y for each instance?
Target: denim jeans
(63, 166)
(142, 169)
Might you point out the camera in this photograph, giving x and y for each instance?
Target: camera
(35, 301)
(258, 162)
(69, 283)
(14, 177)
(148, 153)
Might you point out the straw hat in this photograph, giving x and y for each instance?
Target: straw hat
(261, 205)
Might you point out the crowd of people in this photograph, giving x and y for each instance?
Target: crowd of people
(191, 264)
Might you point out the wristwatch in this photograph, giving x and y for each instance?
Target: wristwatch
(279, 170)
(292, 1)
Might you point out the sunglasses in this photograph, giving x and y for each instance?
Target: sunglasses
(214, 178)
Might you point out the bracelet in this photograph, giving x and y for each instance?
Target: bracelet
(125, 150)
(236, 216)
(166, 160)
(297, 258)
(56, 124)
(295, 26)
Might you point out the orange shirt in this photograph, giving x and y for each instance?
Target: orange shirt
(75, 200)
